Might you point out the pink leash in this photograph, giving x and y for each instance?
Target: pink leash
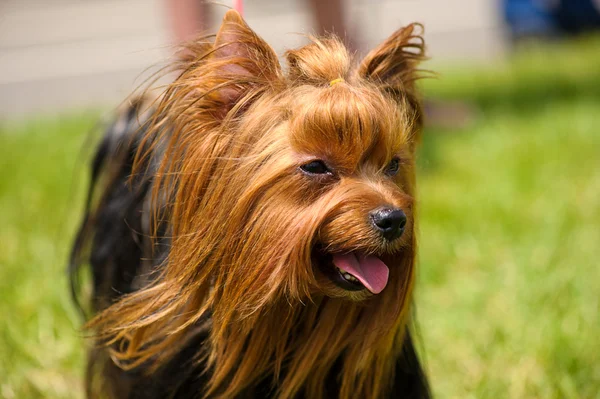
(238, 5)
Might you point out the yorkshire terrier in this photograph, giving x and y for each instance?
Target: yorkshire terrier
(251, 233)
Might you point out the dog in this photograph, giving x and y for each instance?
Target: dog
(251, 232)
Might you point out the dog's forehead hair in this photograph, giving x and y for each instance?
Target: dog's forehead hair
(347, 125)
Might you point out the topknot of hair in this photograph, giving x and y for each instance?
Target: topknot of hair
(320, 62)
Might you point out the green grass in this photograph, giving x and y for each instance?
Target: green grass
(40, 349)
(508, 295)
(510, 278)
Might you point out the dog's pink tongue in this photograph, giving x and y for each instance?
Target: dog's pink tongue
(368, 269)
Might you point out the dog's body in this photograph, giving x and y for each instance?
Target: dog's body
(251, 237)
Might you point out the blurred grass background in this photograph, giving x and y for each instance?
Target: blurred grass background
(509, 281)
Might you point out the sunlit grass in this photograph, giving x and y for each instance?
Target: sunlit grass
(40, 349)
(508, 297)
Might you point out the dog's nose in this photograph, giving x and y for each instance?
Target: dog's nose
(389, 221)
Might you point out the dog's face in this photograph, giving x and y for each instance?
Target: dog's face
(353, 155)
(330, 173)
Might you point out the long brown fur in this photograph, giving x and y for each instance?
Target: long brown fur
(243, 223)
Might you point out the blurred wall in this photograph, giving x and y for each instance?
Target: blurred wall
(58, 54)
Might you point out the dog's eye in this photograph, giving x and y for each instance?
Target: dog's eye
(393, 167)
(316, 167)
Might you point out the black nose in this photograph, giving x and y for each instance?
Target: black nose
(389, 221)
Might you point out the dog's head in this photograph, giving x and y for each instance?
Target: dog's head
(290, 201)
(301, 181)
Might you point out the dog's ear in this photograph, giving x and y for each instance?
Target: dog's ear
(242, 60)
(393, 64)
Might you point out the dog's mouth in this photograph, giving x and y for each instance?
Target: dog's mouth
(355, 270)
